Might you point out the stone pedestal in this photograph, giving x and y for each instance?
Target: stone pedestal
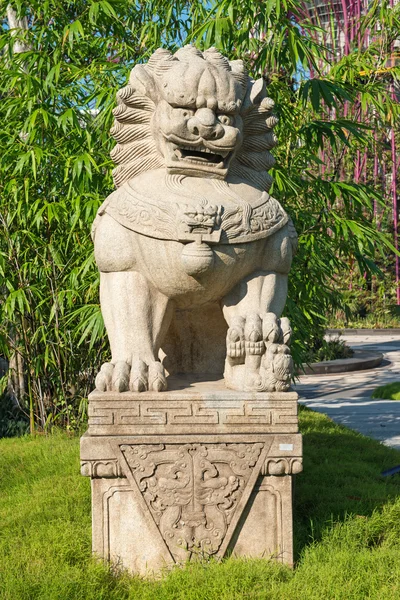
(199, 470)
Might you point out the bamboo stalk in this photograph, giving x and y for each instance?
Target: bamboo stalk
(395, 209)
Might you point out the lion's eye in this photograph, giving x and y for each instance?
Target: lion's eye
(225, 119)
(187, 114)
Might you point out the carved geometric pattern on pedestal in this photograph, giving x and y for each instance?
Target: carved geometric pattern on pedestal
(147, 414)
(195, 492)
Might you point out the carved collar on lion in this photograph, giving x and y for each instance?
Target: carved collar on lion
(179, 208)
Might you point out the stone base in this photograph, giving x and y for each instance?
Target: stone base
(199, 471)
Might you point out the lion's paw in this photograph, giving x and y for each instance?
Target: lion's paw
(235, 339)
(135, 377)
(264, 363)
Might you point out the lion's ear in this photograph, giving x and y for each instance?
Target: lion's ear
(142, 81)
(256, 91)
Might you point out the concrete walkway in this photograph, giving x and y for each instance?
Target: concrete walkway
(346, 398)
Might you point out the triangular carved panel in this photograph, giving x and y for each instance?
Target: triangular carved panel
(193, 490)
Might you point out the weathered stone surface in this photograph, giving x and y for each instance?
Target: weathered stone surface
(192, 410)
(159, 500)
(194, 256)
(192, 234)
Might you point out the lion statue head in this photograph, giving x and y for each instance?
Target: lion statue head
(196, 114)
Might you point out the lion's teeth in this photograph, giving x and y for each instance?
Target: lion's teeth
(197, 149)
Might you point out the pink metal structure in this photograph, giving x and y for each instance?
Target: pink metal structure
(341, 32)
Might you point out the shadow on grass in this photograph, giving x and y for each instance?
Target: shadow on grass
(341, 477)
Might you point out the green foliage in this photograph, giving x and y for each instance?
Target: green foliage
(346, 519)
(369, 301)
(57, 98)
(55, 170)
(331, 349)
(391, 391)
(12, 421)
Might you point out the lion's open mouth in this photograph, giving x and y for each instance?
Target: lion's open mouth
(197, 158)
(203, 155)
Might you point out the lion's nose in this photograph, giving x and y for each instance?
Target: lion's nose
(205, 125)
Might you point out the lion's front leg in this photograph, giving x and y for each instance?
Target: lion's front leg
(258, 356)
(136, 317)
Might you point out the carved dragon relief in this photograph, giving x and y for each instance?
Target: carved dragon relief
(194, 490)
(192, 223)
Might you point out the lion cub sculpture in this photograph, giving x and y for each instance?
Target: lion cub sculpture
(192, 227)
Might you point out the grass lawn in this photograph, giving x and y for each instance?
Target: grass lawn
(391, 391)
(346, 529)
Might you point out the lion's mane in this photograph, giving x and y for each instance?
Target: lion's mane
(136, 150)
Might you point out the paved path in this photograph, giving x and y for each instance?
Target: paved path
(346, 398)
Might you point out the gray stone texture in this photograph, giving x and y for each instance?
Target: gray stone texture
(187, 474)
(193, 251)
(194, 256)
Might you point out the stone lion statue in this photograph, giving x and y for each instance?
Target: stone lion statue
(193, 252)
